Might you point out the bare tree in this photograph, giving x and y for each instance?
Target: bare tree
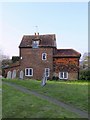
(4, 60)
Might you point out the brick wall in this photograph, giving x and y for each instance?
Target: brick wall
(70, 65)
(11, 69)
(73, 76)
(32, 58)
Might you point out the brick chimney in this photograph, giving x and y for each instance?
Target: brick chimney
(36, 34)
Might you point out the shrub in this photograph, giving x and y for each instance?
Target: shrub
(15, 59)
(84, 75)
(55, 78)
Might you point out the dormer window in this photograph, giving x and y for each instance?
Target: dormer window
(35, 44)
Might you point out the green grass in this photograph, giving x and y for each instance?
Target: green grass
(0, 98)
(71, 92)
(17, 104)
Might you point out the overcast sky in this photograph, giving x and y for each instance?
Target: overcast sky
(69, 21)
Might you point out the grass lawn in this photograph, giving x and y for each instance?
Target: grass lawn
(75, 92)
(17, 104)
(0, 99)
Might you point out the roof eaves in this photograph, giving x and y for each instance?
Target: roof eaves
(58, 56)
(11, 66)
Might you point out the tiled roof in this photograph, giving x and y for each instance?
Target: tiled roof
(48, 40)
(67, 53)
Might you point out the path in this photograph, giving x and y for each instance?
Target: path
(82, 114)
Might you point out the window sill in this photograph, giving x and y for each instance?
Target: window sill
(29, 75)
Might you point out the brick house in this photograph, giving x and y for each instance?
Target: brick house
(39, 54)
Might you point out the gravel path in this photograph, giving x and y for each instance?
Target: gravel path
(82, 114)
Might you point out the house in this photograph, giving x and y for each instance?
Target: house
(39, 55)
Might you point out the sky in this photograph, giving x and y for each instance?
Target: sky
(67, 20)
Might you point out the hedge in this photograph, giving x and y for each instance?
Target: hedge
(84, 75)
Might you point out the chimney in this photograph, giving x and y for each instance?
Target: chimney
(35, 33)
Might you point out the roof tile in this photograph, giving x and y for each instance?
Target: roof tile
(67, 53)
(48, 40)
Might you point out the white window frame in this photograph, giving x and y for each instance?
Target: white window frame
(63, 75)
(47, 69)
(35, 43)
(28, 71)
(45, 56)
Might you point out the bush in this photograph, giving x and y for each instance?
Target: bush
(15, 59)
(84, 75)
(3, 73)
(55, 78)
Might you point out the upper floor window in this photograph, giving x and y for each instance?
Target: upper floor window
(28, 72)
(35, 44)
(44, 56)
(63, 75)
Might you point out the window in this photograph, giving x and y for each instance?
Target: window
(35, 44)
(47, 72)
(44, 56)
(28, 72)
(63, 75)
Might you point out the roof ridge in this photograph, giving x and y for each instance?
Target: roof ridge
(68, 49)
(40, 34)
(65, 49)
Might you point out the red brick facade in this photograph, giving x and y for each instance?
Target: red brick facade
(62, 63)
(70, 65)
(32, 58)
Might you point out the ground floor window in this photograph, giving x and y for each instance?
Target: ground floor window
(28, 71)
(63, 75)
(47, 72)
